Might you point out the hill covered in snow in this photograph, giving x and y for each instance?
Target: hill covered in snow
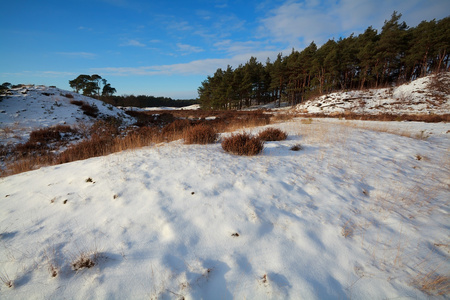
(30, 107)
(427, 95)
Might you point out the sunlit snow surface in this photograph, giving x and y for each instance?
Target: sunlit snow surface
(357, 213)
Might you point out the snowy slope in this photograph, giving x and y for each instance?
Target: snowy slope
(356, 214)
(32, 107)
(415, 97)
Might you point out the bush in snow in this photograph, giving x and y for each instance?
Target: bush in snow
(90, 110)
(272, 134)
(200, 134)
(243, 144)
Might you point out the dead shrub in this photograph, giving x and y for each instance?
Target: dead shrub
(89, 110)
(70, 96)
(77, 102)
(43, 140)
(51, 134)
(272, 134)
(176, 126)
(243, 144)
(136, 138)
(296, 147)
(200, 134)
(85, 260)
(96, 146)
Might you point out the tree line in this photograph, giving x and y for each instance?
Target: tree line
(396, 55)
(146, 101)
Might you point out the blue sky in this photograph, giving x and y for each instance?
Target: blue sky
(167, 48)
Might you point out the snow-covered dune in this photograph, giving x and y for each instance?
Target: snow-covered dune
(356, 214)
(416, 97)
(32, 107)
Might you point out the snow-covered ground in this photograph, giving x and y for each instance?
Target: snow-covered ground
(32, 107)
(415, 97)
(357, 213)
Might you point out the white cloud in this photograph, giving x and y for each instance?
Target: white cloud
(298, 23)
(133, 43)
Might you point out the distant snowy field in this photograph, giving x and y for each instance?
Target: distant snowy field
(358, 213)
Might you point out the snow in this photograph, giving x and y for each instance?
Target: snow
(358, 213)
(31, 107)
(411, 98)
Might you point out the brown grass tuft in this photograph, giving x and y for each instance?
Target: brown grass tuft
(296, 147)
(272, 134)
(76, 102)
(433, 283)
(84, 261)
(200, 134)
(89, 110)
(243, 144)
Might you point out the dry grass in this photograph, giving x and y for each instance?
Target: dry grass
(243, 144)
(429, 118)
(421, 135)
(272, 134)
(296, 147)
(200, 134)
(84, 261)
(433, 283)
(306, 121)
(89, 110)
(6, 280)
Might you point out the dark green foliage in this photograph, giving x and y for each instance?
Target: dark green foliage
(90, 85)
(145, 101)
(395, 55)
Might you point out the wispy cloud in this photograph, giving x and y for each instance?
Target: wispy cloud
(235, 47)
(132, 43)
(180, 26)
(78, 54)
(196, 67)
(188, 49)
(84, 28)
(50, 74)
